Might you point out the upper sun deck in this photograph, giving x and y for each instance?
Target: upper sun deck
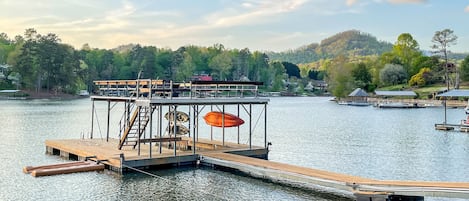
(169, 92)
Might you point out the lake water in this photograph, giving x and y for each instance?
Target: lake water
(392, 144)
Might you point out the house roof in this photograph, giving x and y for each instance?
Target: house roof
(455, 93)
(358, 93)
(395, 93)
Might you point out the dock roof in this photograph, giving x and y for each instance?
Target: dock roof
(395, 93)
(455, 93)
(358, 92)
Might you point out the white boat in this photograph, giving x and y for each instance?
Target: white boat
(353, 103)
(83, 93)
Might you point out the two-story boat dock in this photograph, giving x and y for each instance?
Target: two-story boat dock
(162, 126)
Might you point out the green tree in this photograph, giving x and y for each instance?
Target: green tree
(291, 69)
(258, 66)
(465, 69)
(240, 63)
(362, 77)
(176, 61)
(186, 70)
(221, 64)
(163, 63)
(406, 48)
(393, 74)
(277, 76)
(433, 64)
(199, 57)
(442, 41)
(6, 46)
(338, 76)
(68, 79)
(26, 64)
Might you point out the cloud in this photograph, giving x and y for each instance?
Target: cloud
(259, 11)
(466, 9)
(350, 2)
(406, 1)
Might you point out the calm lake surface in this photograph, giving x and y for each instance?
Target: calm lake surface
(392, 144)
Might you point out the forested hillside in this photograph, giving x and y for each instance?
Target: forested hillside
(41, 62)
(347, 43)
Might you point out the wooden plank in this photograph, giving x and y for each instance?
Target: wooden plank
(202, 142)
(289, 168)
(335, 176)
(165, 139)
(29, 169)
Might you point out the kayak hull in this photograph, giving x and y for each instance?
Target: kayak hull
(220, 119)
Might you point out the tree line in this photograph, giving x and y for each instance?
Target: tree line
(43, 63)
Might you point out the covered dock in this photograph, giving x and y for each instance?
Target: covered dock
(164, 123)
(396, 99)
(463, 125)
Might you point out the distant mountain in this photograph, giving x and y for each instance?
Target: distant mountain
(352, 42)
(451, 55)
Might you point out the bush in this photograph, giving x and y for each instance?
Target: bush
(393, 74)
(421, 78)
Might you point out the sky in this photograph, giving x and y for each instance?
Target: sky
(264, 25)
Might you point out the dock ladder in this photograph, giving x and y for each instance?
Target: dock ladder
(136, 127)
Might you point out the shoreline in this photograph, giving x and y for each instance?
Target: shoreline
(32, 95)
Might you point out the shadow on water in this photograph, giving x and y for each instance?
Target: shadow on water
(207, 183)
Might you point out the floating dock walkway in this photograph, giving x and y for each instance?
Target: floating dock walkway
(336, 183)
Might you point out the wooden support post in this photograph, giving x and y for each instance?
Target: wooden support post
(196, 116)
(265, 126)
(160, 127)
(250, 126)
(108, 119)
(151, 127)
(223, 125)
(211, 127)
(238, 126)
(92, 120)
(175, 128)
(139, 108)
(197, 128)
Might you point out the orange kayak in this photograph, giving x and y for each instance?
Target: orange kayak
(216, 119)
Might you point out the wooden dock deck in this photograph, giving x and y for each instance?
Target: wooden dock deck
(240, 157)
(107, 152)
(336, 183)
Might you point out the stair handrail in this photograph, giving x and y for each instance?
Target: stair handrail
(126, 131)
(124, 120)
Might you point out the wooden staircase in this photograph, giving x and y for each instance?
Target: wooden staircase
(137, 125)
